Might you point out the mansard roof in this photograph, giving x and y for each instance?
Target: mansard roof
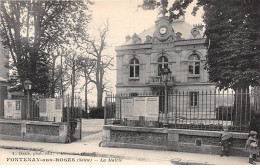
(179, 26)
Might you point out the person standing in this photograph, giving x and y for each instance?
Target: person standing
(225, 140)
(255, 126)
(252, 147)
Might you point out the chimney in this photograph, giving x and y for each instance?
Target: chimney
(127, 38)
(178, 36)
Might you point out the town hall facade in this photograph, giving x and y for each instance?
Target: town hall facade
(177, 46)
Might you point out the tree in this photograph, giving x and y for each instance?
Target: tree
(57, 71)
(233, 41)
(73, 67)
(103, 62)
(29, 28)
(87, 68)
(233, 55)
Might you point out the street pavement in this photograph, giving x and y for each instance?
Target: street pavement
(27, 157)
(89, 146)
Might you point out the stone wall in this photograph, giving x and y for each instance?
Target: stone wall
(182, 140)
(146, 138)
(42, 129)
(24, 130)
(192, 139)
(12, 129)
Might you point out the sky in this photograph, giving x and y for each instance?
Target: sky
(125, 18)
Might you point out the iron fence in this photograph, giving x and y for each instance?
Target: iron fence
(203, 110)
(72, 114)
(63, 110)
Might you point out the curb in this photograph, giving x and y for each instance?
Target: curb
(92, 154)
(21, 148)
(176, 161)
(179, 161)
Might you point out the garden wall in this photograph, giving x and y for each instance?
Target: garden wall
(23, 130)
(195, 141)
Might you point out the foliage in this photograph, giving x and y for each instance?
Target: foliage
(33, 30)
(96, 112)
(85, 114)
(75, 112)
(224, 113)
(233, 39)
(233, 55)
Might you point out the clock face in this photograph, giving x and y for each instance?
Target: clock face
(163, 30)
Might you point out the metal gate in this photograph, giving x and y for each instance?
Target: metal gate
(73, 117)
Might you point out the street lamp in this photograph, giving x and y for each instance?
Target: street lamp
(28, 86)
(258, 97)
(166, 77)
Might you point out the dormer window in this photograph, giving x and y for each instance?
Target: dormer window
(194, 65)
(134, 68)
(162, 63)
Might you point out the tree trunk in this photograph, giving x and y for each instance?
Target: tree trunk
(34, 51)
(61, 83)
(257, 101)
(52, 78)
(73, 85)
(86, 95)
(99, 95)
(241, 112)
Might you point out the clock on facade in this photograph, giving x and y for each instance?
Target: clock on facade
(163, 30)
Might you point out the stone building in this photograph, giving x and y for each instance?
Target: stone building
(3, 77)
(178, 46)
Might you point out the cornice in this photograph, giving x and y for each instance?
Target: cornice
(187, 42)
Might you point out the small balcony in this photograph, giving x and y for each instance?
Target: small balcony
(133, 81)
(157, 81)
(193, 78)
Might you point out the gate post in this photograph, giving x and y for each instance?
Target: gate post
(105, 112)
(68, 119)
(258, 100)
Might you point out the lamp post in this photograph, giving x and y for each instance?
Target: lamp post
(166, 77)
(258, 94)
(28, 86)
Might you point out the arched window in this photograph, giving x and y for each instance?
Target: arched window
(134, 68)
(162, 63)
(194, 64)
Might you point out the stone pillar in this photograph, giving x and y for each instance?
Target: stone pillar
(105, 138)
(3, 95)
(63, 130)
(257, 100)
(173, 138)
(23, 129)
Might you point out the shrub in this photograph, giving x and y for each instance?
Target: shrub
(95, 112)
(224, 112)
(76, 113)
(84, 114)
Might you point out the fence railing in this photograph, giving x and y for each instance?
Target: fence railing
(48, 110)
(157, 80)
(20, 106)
(209, 110)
